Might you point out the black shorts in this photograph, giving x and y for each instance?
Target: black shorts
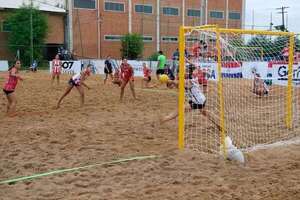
(108, 70)
(72, 83)
(160, 71)
(197, 106)
(6, 92)
(266, 92)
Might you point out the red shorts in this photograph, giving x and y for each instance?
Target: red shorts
(127, 79)
(56, 71)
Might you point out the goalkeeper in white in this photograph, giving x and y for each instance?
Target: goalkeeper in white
(196, 101)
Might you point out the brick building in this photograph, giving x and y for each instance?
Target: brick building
(56, 15)
(98, 25)
(93, 28)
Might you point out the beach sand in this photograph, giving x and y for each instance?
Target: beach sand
(42, 139)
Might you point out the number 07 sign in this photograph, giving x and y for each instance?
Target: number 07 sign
(68, 67)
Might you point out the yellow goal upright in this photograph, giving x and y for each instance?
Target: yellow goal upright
(249, 79)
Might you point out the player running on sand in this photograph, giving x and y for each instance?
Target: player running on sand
(77, 80)
(9, 87)
(127, 76)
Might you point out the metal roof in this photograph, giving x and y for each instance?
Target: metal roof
(43, 5)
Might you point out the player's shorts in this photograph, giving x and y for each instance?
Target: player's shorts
(56, 71)
(6, 92)
(148, 78)
(72, 83)
(126, 80)
(160, 71)
(108, 70)
(196, 106)
(266, 92)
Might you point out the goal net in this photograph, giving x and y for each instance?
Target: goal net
(250, 94)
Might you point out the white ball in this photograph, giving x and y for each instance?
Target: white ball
(236, 155)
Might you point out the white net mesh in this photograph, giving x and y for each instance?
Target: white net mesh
(254, 71)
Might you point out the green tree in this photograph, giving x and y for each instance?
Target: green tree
(153, 56)
(297, 43)
(132, 46)
(20, 35)
(263, 43)
(279, 44)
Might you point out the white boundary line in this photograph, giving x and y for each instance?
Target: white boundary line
(273, 145)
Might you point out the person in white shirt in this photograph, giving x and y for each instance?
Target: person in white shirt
(77, 81)
(196, 101)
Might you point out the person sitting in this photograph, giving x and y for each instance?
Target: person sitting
(33, 67)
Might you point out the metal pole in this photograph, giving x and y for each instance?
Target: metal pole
(183, 12)
(202, 11)
(282, 12)
(227, 13)
(98, 30)
(157, 25)
(271, 22)
(31, 33)
(129, 16)
(287, 21)
(181, 97)
(243, 14)
(206, 11)
(283, 18)
(253, 19)
(70, 25)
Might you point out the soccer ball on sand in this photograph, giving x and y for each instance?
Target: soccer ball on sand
(233, 153)
(163, 78)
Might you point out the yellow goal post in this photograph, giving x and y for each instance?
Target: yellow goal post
(217, 31)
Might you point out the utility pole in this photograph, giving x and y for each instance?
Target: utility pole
(271, 22)
(282, 12)
(253, 19)
(31, 33)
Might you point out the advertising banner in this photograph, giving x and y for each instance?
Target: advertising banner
(3, 65)
(69, 67)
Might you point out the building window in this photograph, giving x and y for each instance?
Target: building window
(112, 6)
(193, 13)
(5, 27)
(113, 37)
(170, 11)
(216, 14)
(234, 15)
(87, 4)
(192, 39)
(143, 9)
(147, 39)
(169, 39)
